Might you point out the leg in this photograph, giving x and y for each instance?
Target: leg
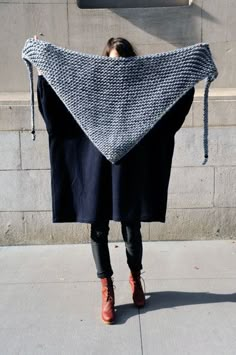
(134, 252)
(99, 243)
(100, 250)
(133, 243)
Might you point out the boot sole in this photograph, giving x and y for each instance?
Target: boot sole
(108, 322)
(139, 305)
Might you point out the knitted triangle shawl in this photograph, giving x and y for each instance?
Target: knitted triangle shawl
(117, 101)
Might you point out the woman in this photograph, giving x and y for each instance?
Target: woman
(87, 188)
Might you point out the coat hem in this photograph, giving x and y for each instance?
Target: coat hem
(115, 219)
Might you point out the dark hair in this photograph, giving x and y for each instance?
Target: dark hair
(123, 47)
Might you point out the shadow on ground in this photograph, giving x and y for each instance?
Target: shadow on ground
(170, 299)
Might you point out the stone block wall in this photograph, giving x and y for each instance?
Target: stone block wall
(202, 199)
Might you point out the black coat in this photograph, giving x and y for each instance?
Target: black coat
(86, 187)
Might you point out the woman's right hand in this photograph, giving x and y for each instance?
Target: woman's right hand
(39, 72)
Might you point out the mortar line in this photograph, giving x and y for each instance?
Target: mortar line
(201, 21)
(46, 169)
(214, 185)
(67, 18)
(20, 151)
(170, 208)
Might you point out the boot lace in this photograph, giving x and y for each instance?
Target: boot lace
(110, 290)
(138, 281)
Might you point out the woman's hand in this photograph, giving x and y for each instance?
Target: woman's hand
(39, 72)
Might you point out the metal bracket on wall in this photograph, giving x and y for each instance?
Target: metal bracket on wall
(98, 4)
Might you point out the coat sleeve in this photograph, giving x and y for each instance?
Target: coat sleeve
(172, 121)
(55, 114)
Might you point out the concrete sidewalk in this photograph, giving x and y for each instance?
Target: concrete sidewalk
(50, 300)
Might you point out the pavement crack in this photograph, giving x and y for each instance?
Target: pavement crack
(140, 331)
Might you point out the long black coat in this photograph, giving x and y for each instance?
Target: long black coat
(86, 187)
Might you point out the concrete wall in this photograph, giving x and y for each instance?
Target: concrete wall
(202, 199)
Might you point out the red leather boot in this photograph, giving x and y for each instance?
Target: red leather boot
(108, 300)
(137, 289)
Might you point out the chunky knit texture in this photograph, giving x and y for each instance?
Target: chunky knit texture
(117, 101)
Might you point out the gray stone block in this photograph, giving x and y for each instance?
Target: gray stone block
(49, 19)
(191, 187)
(145, 230)
(189, 147)
(35, 154)
(188, 122)
(214, 20)
(196, 224)
(115, 231)
(224, 55)
(225, 186)
(158, 47)
(25, 190)
(223, 143)
(11, 228)
(231, 21)
(39, 229)
(220, 113)
(218, 21)
(9, 150)
(24, 228)
(17, 117)
(142, 25)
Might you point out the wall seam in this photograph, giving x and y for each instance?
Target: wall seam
(67, 19)
(20, 152)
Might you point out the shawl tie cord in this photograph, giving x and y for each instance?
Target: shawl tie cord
(117, 101)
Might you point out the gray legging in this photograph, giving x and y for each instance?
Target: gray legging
(133, 242)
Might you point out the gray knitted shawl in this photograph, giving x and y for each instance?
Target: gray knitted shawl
(117, 101)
